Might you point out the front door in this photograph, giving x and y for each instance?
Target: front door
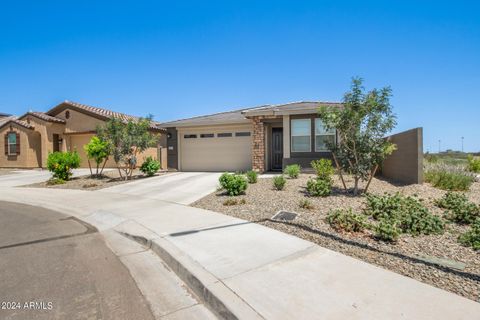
(277, 148)
(56, 142)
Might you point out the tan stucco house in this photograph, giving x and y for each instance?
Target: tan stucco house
(265, 138)
(68, 126)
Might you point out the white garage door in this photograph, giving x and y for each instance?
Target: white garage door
(216, 150)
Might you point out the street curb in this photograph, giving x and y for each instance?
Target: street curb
(220, 299)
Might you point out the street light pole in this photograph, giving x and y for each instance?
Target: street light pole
(462, 143)
(439, 145)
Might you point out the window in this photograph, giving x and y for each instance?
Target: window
(12, 143)
(224, 135)
(190, 136)
(242, 134)
(323, 136)
(206, 135)
(301, 133)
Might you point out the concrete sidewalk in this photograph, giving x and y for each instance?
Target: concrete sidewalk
(250, 271)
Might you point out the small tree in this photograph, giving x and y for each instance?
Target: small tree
(97, 150)
(362, 123)
(127, 140)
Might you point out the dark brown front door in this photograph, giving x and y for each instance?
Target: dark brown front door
(277, 148)
(56, 141)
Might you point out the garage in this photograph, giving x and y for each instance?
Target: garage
(216, 149)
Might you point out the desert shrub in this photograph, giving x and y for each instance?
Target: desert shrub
(60, 164)
(230, 202)
(431, 158)
(305, 204)
(150, 166)
(89, 185)
(319, 187)
(387, 230)
(234, 184)
(459, 209)
(323, 168)
(292, 171)
(453, 181)
(407, 213)
(471, 238)
(473, 164)
(279, 182)
(347, 220)
(252, 176)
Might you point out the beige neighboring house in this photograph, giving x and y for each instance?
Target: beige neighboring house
(67, 127)
(265, 138)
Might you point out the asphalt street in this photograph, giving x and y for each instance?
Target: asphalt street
(56, 267)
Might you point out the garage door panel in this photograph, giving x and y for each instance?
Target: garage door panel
(217, 153)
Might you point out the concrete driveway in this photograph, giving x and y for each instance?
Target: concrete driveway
(178, 187)
(24, 177)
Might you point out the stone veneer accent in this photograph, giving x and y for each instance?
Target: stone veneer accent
(258, 142)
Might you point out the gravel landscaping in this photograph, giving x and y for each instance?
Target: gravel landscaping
(108, 179)
(438, 260)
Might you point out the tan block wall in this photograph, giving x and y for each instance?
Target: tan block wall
(405, 165)
(30, 146)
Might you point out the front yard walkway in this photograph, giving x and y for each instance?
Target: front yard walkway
(278, 275)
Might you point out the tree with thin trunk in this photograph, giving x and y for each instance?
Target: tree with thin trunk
(97, 150)
(362, 124)
(127, 140)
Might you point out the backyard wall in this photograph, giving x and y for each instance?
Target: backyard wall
(405, 165)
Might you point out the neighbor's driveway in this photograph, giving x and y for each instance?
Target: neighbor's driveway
(178, 187)
(24, 177)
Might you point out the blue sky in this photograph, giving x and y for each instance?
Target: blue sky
(180, 59)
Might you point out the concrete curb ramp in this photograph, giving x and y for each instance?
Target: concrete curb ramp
(223, 302)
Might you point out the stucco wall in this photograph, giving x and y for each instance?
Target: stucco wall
(29, 156)
(79, 122)
(405, 165)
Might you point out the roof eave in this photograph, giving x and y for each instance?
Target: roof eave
(203, 123)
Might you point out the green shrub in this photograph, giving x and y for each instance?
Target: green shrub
(319, 187)
(60, 164)
(446, 180)
(473, 164)
(431, 158)
(279, 182)
(150, 166)
(459, 209)
(305, 204)
(292, 171)
(323, 168)
(347, 220)
(252, 176)
(234, 184)
(471, 238)
(407, 213)
(387, 230)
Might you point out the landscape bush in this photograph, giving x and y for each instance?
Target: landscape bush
(150, 166)
(252, 176)
(292, 171)
(305, 204)
(347, 220)
(471, 238)
(323, 168)
(55, 181)
(473, 164)
(319, 187)
(459, 209)
(452, 181)
(234, 184)
(279, 182)
(60, 164)
(387, 230)
(406, 213)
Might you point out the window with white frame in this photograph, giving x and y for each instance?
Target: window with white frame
(323, 137)
(301, 135)
(12, 143)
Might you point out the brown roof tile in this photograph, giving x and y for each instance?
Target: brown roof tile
(43, 116)
(16, 121)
